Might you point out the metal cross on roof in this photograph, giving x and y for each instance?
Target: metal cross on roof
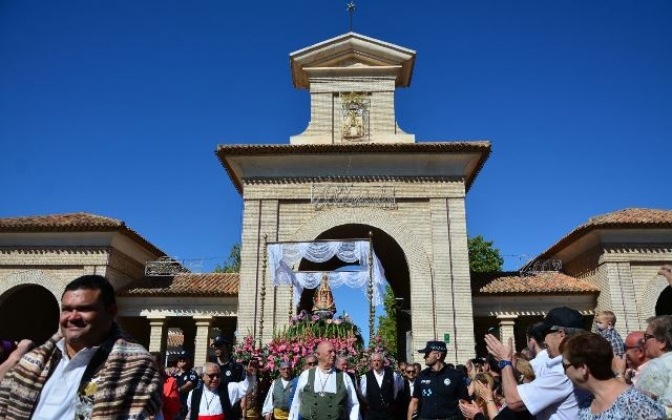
(351, 10)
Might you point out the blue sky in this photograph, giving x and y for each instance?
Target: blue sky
(116, 107)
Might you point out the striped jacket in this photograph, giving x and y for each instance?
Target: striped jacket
(121, 381)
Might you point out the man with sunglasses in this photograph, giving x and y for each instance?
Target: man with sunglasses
(635, 359)
(213, 400)
(656, 379)
(551, 395)
(405, 397)
(438, 389)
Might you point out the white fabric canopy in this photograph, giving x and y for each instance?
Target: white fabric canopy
(284, 258)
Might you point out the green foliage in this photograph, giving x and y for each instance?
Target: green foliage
(483, 257)
(232, 264)
(387, 324)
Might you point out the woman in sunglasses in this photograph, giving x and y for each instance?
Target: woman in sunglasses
(587, 359)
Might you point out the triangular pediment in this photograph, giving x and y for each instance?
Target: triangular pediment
(352, 51)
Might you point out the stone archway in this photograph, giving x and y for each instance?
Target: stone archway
(656, 295)
(409, 249)
(31, 298)
(36, 311)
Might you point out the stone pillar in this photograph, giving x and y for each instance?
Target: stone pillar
(157, 334)
(202, 341)
(506, 324)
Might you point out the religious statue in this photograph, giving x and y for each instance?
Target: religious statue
(323, 300)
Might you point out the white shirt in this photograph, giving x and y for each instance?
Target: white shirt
(539, 362)
(325, 381)
(210, 401)
(551, 395)
(268, 402)
(59, 395)
(396, 379)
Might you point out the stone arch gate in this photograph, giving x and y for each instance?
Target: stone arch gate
(30, 305)
(422, 246)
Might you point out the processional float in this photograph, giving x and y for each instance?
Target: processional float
(283, 259)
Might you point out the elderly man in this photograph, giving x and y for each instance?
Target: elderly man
(635, 358)
(214, 400)
(551, 395)
(323, 392)
(380, 387)
(656, 379)
(87, 364)
(276, 404)
(438, 389)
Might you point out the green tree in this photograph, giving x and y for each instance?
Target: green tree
(387, 324)
(483, 257)
(232, 264)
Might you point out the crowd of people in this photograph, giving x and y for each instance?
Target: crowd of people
(91, 369)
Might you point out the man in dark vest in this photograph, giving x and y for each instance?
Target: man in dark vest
(380, 387)
(276, 404)
(231, 371)
(438, 389)
(323, 392)
(213, 400)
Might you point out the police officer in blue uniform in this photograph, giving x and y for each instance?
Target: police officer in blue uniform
(186, 380)
(438, 389)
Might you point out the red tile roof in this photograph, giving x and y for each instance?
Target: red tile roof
(74, 222)
(187, 284)
(482, 147)
(549, 282)
(632, 218)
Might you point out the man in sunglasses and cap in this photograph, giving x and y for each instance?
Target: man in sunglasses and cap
(551, 396)
(438, 389)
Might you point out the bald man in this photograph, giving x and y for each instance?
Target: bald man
(635, 357)
(324, 392)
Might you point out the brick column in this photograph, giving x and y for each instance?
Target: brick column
(157, 334)
(202, 341)
(506, 324)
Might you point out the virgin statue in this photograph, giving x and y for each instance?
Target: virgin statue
(323, 300)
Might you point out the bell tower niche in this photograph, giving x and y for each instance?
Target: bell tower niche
(352, 79)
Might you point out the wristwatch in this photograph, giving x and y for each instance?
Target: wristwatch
(504, 363)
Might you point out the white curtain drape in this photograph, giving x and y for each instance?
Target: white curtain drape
(284, 259)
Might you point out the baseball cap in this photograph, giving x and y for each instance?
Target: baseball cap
(434, 346)
(562, 317)
(219, 341)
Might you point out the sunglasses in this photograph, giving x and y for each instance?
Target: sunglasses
(213, 376)
(410, 371)
(311, 363)
(648, 336)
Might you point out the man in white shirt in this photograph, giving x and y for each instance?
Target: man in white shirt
(535, 342)
(323, 392)
(213, 400)
(276, 404)
(87, 363)
(551, 396)
(380, 388)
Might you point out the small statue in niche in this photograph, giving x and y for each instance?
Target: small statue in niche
(323, 300)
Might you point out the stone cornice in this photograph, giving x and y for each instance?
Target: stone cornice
(40, 250)
(158, 307)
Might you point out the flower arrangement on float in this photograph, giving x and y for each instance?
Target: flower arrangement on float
(301, 336)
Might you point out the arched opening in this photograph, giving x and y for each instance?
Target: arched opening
(29, 311)
(664, 303)
(392, 258)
